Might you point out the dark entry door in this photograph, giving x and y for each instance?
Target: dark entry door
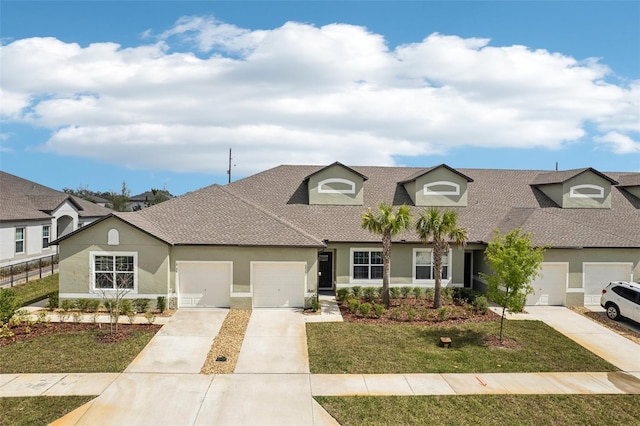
(325, 270)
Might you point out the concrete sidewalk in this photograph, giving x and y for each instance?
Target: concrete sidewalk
(272, 384)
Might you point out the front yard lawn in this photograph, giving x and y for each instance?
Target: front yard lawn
(496, 410)
(80, 348)
(336, 348)
(38, 410)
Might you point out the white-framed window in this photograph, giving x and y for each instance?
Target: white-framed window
(20, 236)
(366, 265)
(423, 268)
(46, 236)
(114, 270)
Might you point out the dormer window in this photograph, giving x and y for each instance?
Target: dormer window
(336, 186)
(437, 186)
(441, 187)
(576, 189)
(586, 191)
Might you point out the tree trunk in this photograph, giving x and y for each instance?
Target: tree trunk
(437, 270)
(386, 270)
(501, 323)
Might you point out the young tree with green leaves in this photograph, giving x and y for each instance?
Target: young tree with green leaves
(515, 262)
(120, 202)
(387, 223)
(440, 228)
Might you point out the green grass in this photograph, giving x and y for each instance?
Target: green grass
(36, 290)
(38, 410)
(496, 410)
(74, 352)
(336, 348)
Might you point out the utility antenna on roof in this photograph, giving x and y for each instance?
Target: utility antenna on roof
(556, 166)
(229, 169)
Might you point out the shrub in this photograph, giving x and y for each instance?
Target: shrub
(315, 303)
(354, 304)
(341, 294)
(92, 305)
(378, 291)
(424, 313)
(82, 304)
(150, 316)
(465, 294)
(429, 293)
(482, 304)
(378, 310)
(68, 304)
(8, 304)
(447, 294)
(411, 313)
(365, 309)
(417, 292)
(141, 305)
(161, 304)
(369, 293)
(405, 291)
(126, 307)
(52, 303)
(395, 292)
(442, 313)
(356, 290)
(396, 313)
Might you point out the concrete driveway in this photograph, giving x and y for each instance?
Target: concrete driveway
(163, 385)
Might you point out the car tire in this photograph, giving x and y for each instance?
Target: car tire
(613, 312)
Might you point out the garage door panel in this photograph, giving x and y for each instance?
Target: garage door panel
(278, 284)
(598, 275)
(550, 286)
(204, 284)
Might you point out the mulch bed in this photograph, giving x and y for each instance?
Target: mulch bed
(22, 333)
(424, 312)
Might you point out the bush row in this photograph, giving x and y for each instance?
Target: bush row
(126, 306)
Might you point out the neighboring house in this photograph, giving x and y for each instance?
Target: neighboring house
(148, 198)
(273, 239)
(32, 216)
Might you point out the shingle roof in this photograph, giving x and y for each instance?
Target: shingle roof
(22, 199)
(271, 209)
(423, 172)
(493, 196)
(632, 179)
(545, 178)
(215, 216)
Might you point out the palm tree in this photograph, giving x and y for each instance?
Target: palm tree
(386, 223)
(438, 227)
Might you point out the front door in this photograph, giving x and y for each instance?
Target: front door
(325, 270)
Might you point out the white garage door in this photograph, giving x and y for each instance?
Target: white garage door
(550, 286)
(598, 275)
(278, 284)
(204, 284)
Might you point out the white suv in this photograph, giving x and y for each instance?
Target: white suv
(621, 299)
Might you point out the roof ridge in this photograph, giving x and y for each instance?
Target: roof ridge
(270, 214)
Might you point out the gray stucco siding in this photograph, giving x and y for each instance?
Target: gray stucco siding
(401, 263)
(75, 258)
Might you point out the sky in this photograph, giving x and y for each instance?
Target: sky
(156, 93)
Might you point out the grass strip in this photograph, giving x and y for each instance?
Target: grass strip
(337, 348)
(34, 291)
(38, 410)
(496, 410)
(227, 343)
(75, 352)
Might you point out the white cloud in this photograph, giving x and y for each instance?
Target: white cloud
(619, 143)
(305, 94)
